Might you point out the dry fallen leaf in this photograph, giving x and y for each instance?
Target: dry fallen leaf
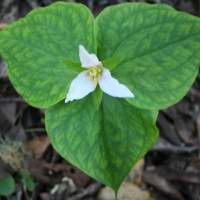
(39, 145)
(44, 195)
(3, 26)
(80, 179)
(162, 184)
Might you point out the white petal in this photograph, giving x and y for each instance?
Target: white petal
(80, 87)
(87, 60)
(94, 58)
(111, 86)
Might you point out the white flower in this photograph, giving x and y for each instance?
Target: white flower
(87, 80)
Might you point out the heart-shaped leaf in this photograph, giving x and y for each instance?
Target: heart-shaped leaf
(32, 45)
(162, 49)
(106, 143)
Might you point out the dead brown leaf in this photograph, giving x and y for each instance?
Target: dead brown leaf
(171, 112)
(195, 163)
(167, 130)
(39, 145)
(3, 26)
(162, 184)
(35, 165)
(79, 178)
(183, 132)
(44, 195)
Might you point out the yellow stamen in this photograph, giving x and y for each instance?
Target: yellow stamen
(94, 73)
(87, 71)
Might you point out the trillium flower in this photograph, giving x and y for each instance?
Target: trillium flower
(94, 74)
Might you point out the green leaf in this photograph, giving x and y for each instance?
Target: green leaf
(162, 48)
(31, 47)
(7, 185)
(97, 96)
(76, 66)
(106, 143)
(27, 180)
(112, 62)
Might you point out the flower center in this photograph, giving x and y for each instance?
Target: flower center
(95, 73)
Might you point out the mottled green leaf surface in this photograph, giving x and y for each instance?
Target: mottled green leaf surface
(106, 143)
(7, 185)
(162, 49)
(31, 47)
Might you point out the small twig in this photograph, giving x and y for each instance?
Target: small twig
(19, 195)
(45, 180)
(163, 146)
(25, 192)
(35, 130)
(174, 149)
(90, 190)
(12, 99)
(53, 158)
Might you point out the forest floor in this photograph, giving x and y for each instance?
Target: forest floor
(170, 171)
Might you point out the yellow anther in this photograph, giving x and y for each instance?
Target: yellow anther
(94, 73)
(87, 71)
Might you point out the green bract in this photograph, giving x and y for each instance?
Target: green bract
(153, 50)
